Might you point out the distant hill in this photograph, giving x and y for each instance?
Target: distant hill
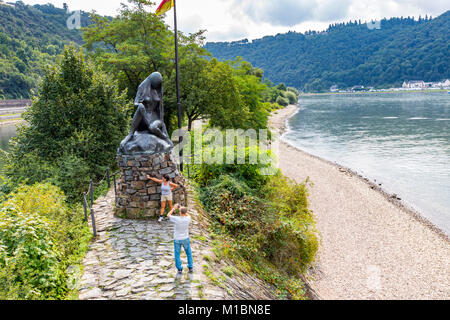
(31, 37)
(350, 54)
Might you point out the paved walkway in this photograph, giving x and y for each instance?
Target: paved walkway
(133, 260)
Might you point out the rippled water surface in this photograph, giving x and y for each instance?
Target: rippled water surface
(401, 140)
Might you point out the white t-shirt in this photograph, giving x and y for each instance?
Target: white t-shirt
(181, 231)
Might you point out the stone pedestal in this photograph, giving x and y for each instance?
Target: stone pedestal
(138, 197)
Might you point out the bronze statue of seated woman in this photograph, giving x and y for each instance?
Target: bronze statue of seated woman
(148, 134)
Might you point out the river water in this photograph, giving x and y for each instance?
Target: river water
(6, 133)
(401, 140)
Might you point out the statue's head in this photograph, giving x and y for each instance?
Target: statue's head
(150, 89)
(156, 80)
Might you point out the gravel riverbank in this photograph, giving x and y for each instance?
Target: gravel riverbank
(371, 246)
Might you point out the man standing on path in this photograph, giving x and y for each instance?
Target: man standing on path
(181, 237)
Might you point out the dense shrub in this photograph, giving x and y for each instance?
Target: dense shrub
(290, 201)
(39, 238)
(261, 217)
(274, 223)
(264, 220)
(72, 176)
(293, 90)
(282, 101)
(252, 174)
(293, 99)
(31, 256)
(30, 169)
(275, 106)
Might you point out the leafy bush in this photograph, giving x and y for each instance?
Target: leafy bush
(290, 201)
(30, 168)
(282, 101)
(263, 220)
(33, 256)
(267, 229)
(72, 176)
(250, 173)
(276, 222)
(292, 97)
(293, 90)
(39, 237)
(236, 212)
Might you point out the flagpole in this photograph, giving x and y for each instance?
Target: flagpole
(177, 77)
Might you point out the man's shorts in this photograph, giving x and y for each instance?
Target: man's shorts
(166, 198)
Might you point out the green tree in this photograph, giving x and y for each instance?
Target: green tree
(131, 45)
(30, 38)
(229, 110)
(282, 87)
(252, 91)
(136, 43)
(195, 80)
(76, 122)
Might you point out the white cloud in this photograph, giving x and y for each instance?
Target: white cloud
(105, 7)
(278, 13)
(367, 10)
(236, 19)
(233, 32)
(291, 12)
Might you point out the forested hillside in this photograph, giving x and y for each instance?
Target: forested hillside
(30, 38)
(350, 54)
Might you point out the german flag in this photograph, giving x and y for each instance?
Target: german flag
(165, 6)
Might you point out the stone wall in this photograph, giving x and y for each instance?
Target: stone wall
(139, 197)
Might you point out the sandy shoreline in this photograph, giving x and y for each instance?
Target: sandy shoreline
(372, 247)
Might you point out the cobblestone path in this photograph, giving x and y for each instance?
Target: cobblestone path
(133, 259)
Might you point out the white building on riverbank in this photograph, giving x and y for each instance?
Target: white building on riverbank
(414, 84)
(445, 84)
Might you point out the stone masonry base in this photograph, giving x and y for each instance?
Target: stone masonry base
(139, 197)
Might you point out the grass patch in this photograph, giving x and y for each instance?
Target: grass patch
(229, 271)
(207, 258)
(210, 275)
(199, 238)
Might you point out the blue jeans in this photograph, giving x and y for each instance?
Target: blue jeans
(187, 248)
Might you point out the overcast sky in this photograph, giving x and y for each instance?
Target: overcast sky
(228, 20)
